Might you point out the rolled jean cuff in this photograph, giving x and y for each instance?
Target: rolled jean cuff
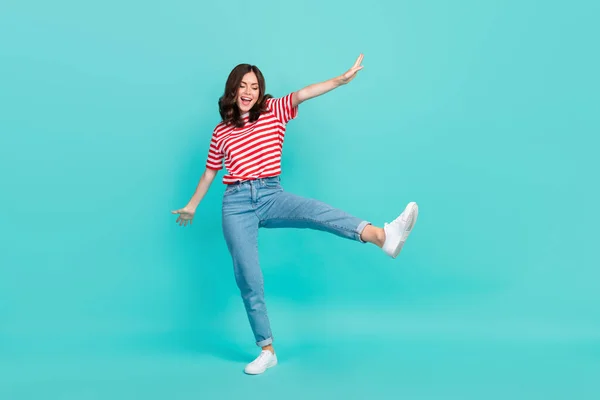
(265, 342)
(360, 229)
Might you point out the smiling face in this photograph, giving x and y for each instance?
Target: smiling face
(245, 93)
(248, 92)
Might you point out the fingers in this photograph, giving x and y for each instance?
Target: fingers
(351, 74)
(359, 60)
(183, 220)
(355, 70)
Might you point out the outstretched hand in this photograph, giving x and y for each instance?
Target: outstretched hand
(186, 215)
(351, 73)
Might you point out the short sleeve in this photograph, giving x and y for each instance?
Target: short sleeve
(215, 154)
(282, 108)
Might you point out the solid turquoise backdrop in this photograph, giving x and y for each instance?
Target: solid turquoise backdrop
(485, 113)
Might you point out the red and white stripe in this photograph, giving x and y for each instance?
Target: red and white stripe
(253, 151)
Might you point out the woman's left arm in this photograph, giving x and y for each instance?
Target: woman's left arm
(320, 88)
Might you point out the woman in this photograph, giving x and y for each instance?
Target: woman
(249, 140)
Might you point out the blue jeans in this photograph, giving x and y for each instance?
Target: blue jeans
(262, 203)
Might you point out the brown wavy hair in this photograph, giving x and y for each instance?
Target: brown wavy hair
(228, 108)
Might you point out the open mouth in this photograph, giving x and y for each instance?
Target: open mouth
(246, 100)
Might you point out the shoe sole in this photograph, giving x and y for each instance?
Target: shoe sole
(263, 371)
(413, 209)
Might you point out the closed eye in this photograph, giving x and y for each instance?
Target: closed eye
(253, 86)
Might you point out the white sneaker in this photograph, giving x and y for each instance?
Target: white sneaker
(265, 360)
(397, 231)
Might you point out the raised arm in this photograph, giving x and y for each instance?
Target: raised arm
(320, 88)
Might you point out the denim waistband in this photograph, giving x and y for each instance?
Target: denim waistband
(257, 180)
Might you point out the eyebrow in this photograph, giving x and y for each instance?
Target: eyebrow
(255, 83)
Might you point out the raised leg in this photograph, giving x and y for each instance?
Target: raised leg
(287, 210)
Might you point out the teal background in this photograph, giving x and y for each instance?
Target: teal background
(486, 113)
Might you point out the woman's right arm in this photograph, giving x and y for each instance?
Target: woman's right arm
(186, 214)
(205, 181)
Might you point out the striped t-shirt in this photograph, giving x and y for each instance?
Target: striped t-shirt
(253, 151)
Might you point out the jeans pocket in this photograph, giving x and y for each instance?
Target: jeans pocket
(231, 189)
(273, 185)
